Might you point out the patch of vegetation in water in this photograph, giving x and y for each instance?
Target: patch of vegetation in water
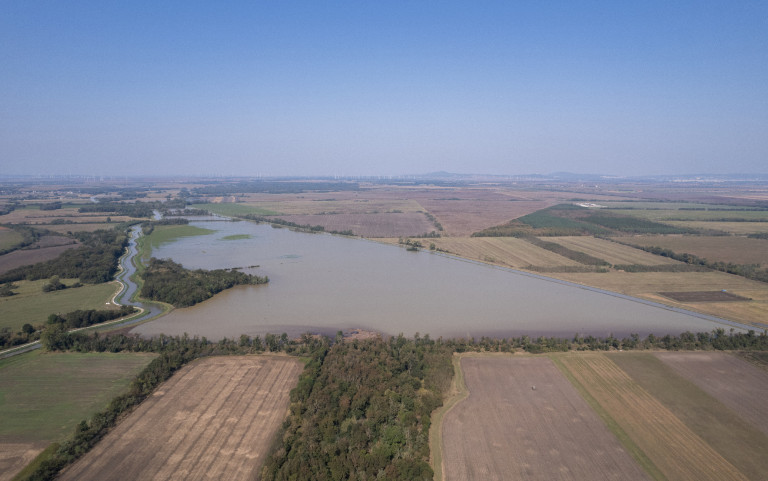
(236, 237)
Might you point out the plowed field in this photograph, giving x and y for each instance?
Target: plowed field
(506, 429)
(214, 419)
(736, 383)
(670, 445)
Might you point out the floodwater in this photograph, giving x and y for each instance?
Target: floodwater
(321, 283)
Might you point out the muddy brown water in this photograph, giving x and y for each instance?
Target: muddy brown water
(321, 283)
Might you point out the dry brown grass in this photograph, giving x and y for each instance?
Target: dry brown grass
(739, 250)
(671, 446)
(214, 419)
(611, 251)
(505, 251)
(507, 430)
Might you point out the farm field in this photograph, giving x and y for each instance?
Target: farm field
(8, 238)
(740, 386)
(738, 250)
(610, 251)
(31, 305)
(506, 251)
(666, 446)
(214, 419)
(43, 396)
(647, 285)
(23, 257)
(232, 209)
(506, 429)
(736, 228)
(731, 433)
(663, 215)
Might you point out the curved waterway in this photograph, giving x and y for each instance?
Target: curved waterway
(322, 283)
(130, 287)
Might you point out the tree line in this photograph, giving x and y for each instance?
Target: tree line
(95, 261)
(169, 282)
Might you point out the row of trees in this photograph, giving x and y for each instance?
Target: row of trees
(167, 281)
(134, 209)
(750, 271)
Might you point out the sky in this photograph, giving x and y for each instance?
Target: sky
(357, 88)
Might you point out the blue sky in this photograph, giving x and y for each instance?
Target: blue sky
(383, 88)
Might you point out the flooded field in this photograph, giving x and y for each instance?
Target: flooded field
(323, 283)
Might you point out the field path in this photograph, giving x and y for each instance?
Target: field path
(506, 429)
(213, 419)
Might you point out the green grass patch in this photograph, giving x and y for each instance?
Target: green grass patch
(234, 210)
(44, 395)
(164, 234)
(32, 305)
(733, 438)
(9, 238)
(236, 237)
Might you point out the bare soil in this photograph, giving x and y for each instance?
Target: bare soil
(736, 383)
(704, 296)
(25, 257)
(214, 419)
(15, 456)
(524, 420)
(390, 224)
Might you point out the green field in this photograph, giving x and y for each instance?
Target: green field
(163, 234)
(9, 238)
(234, 209)
(32, 305)
(43, 396)
(697, 215)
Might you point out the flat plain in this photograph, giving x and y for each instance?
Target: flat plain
(611, 251)
(506, 251)
(214, 419)
(524, 420)
(44, 395)
(738, 250)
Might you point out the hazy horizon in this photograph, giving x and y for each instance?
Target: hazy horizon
(393, 89)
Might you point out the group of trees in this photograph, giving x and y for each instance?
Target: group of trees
(93, 262)
(133, 209)
(363, 411)
(167, 281)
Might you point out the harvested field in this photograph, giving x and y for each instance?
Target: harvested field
(214, 419)
(664, 215)
(507, 251)
(670, 446)
(739, 385)
(610, 251)
(739, 250)
(369, 225)
(507, 430)
(704, 296)
(739, 441)
(647, 285)
(25, 257)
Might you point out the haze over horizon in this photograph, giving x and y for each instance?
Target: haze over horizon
(397, 88)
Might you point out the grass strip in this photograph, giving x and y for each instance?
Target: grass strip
(30, 468)
(633, 449)
(458, 393)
